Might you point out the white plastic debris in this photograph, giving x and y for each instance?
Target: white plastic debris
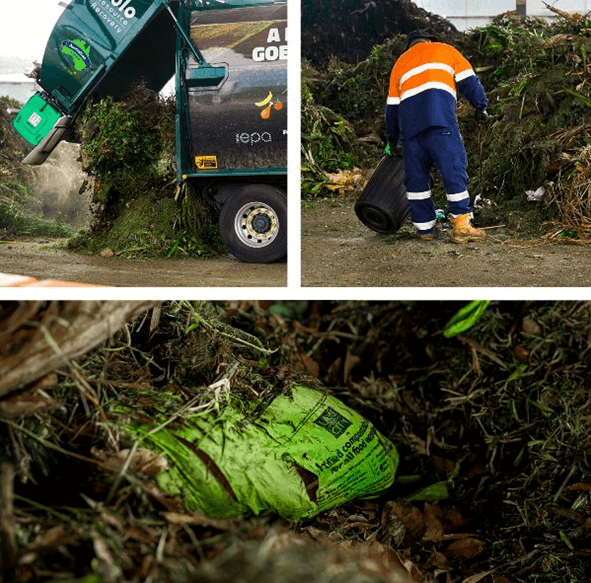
(481, 202)
(535, 195)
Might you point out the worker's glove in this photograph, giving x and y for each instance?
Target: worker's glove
(481, 115)
(391, 150)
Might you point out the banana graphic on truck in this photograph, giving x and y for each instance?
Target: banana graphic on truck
(266, 113)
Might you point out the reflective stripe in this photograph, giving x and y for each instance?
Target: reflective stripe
(418, 195)
(425, 87)
(393, 101)
(423, 68)
(464, 75)
(425, 226)
(458, 196)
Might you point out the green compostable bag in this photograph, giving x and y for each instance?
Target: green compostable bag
(306, 453)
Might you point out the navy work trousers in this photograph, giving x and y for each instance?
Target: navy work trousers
(443, 147)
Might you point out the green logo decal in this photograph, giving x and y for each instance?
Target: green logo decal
(79, 51)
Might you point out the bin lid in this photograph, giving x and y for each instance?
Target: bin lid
(105, 47)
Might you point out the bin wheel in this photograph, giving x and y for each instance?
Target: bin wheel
(253, 224)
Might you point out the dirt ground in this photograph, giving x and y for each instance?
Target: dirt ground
(339, 251)
(47, 259)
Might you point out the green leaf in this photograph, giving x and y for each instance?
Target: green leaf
(465, 318)
(432, 493)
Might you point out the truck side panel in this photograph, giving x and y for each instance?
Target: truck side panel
(242, 124)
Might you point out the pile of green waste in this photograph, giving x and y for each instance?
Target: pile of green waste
(127, 147)
(534, 151)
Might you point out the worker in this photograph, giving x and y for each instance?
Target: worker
(422, 107)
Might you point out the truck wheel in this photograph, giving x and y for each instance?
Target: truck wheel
(253, 224)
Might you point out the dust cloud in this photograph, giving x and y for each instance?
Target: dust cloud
(59, 186)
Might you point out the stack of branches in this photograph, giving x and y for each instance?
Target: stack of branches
(572, 197)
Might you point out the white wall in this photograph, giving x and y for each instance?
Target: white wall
(19, 90)
(474, 13)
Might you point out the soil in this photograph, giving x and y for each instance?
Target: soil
(47, 259)
(339, 251)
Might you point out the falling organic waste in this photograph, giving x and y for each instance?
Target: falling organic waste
(38, 202)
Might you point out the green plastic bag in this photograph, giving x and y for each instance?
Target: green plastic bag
(305, 454)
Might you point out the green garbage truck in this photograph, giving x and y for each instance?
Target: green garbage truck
(229, 62)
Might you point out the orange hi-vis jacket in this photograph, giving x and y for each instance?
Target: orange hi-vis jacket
(423, 88)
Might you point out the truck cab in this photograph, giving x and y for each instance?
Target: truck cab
(229, 60)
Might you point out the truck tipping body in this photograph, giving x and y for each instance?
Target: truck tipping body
(97, 48)
(240, 125)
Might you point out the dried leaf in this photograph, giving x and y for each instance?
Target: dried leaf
(521, 353)
(434, 528)
(144, 461)
(311, 365)
(410, 516)
(439, 560)
(530, 326)
(350, 362)
(466, 548)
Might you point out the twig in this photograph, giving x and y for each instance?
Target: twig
(8, 548)
(479, 348)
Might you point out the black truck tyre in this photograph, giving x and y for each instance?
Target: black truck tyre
(253, 223)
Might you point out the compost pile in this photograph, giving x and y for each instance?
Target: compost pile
(533, 151)
(490, 418)
(348, 30)
(127, 148)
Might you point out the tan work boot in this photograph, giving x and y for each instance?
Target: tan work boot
(462, 230)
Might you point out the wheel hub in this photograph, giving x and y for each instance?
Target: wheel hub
(256, 224)
(261, 223)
